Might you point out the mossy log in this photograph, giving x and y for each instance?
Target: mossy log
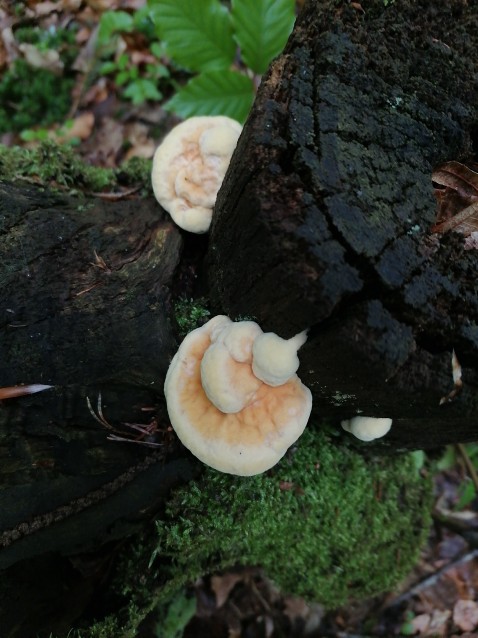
(328, 206)
(323, 223)
(85, 288)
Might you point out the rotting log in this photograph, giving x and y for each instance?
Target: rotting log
(85, 291)
(328, 203)
(323, 223)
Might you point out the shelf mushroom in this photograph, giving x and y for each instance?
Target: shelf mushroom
(367, 428)
(189, 167)
(222, 412)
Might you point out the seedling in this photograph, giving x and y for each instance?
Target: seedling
(228, 49)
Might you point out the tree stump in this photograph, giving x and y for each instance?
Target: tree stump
(328, 204)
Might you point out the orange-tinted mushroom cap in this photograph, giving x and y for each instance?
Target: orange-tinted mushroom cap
(189, 167)
(253, 438)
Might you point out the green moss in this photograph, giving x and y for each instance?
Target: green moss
(136, 170)
(108, 628)
(32, 97)
(58, 165)
(44, 39)
(327, 524)
(173, 616)
(190, 314)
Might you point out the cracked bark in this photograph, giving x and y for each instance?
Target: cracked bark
(328, 203)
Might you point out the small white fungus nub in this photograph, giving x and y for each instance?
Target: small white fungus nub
(189, 167)
(367, 428)
(275, 360)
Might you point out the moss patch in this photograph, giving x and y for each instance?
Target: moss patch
(190, 314)
(59, 165)
(31, 97)
(326, 523)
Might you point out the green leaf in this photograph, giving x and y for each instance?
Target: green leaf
(472, 449)
(467, 494)
(111, 22)
(214, 93)
(181, 609)
(30, 135)
(108, 67)
(123, 61)
(142, 22)
(448, 460)
(261, 29)
(141, 90)
(197, 34)
(158, 49)
(157, 71)
(419, 458)
(122, 77)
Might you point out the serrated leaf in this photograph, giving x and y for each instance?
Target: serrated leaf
(215, 93)
(197, 33)
(261, 29)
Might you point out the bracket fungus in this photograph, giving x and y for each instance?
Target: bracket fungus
(189, 167)
(222, 412)
(367, 428)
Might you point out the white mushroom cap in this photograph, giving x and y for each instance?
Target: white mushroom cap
(226, 373)
(275, 360)
(189, 167)
(256, 436)
(367, 428)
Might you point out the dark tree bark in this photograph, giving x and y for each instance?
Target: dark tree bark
(328, 204)
(85, 308)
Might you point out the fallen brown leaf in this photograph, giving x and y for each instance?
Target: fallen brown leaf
(465, 614)
(438, 623)
(223, 585)
(109, 141)
(141, 145)
(3, 51)
(9, 44)
(45, 8)
(98, 92)
(421, 623)
(80, 129)
(457, 382)
(101, 5)
(72, 5)
(48, 59)
(456, 192)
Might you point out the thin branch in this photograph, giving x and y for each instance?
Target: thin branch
(429, 581)
(469, 464)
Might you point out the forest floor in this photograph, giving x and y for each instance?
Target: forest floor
(440, 597)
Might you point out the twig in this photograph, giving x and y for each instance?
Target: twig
(469, 465)
(432, 579)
